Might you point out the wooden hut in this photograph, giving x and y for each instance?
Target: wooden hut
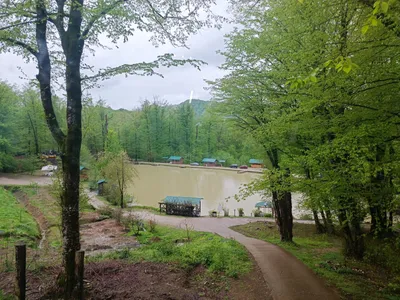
(182, 206)
(100, 186)
(209, 162)
(256, 163)
(175, 160)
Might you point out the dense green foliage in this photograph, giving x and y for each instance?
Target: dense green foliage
(375, 278)
(321, 97)
(151, 132)
(23, 130)
(167, 244)
(157, 130)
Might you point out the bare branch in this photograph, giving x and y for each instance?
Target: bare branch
(144, 68)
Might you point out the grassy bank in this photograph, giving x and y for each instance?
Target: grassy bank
(370, 279)
(15, 222)
(187, 249)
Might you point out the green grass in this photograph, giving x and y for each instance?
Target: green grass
(15, 221)
(5, 297)
(154, 210)
(170, 245)
(322, 253)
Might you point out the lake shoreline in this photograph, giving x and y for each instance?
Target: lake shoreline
(183, 166)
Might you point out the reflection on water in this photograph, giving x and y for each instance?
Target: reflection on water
(214, 185)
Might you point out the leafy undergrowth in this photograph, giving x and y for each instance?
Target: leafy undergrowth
(369, 279)
(170, 245)
(15, 222)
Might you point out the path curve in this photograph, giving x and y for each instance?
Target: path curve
(287, 277)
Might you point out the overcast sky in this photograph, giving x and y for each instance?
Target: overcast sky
(122, 92)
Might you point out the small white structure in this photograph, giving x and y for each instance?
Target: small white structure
(49, 168)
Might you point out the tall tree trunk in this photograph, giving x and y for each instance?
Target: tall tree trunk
(282, 202)
(329, 222)
(318, 226)
(349, 220)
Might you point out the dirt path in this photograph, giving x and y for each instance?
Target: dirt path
(22, 179)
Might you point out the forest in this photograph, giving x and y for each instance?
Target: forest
(151, 132)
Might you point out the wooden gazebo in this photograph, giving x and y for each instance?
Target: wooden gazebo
(182, 206)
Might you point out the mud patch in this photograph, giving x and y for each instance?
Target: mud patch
(105, 235)
(144, 281)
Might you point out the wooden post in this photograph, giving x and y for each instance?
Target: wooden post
(20, 262)
(80, 265)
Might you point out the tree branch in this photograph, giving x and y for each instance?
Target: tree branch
(17, 24)
(44, 75)
(21, 44)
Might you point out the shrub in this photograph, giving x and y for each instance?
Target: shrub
(257, 213)
(134, 223)
(268, 215)
(306, 217)
(241, 212)
(215, 253)
(8, 163)
(105, 211)
(152, 225)
(117, 215)
(226, 211)
(384, 253)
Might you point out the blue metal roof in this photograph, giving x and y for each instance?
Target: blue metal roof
(221, 160)
(101, 181)
(267, 204)
(209, 160)
(175, 158)
(182, 200)
(255, 161)
(82, 168)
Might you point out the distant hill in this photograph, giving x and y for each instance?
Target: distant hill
(199, 106)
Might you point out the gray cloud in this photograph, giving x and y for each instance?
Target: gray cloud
(122, 92)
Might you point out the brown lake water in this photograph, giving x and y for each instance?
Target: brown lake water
(214, 185)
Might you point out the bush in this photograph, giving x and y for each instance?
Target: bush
(257, 213)
(168, 244)
(152, 225)
(306, 217)
(8, 163)
(105, 211)
(92, 185)
(241, 212)
(134, 223)
(117, 215)
(28, 164)
(384, 253)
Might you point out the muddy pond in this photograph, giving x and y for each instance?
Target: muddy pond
(154, 183)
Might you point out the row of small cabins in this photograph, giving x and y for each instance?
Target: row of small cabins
(213, 162)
